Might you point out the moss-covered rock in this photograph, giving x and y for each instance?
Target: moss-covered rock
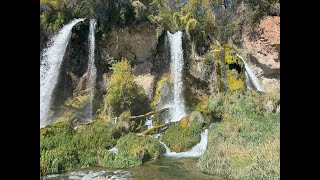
(62, 148)
(162, 94)
(79, 101)
(194, 116)
(132, 151)
(179, 138)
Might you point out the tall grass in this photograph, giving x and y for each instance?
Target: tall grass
(245, 144)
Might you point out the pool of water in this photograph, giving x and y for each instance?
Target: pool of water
(161, 169)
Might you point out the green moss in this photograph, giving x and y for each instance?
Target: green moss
(62, 148)
(66, 115)
(78, 101)
(159, 87)
(203, 108)
(133, 151)
(208, 58)
(180, 139)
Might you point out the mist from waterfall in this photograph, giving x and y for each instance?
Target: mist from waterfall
(92, 70)
(50, 68)
(177, 110)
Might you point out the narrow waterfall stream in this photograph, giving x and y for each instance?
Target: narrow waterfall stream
(92, 70)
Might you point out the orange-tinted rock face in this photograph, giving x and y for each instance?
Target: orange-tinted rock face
(264, 42)
(262, 47)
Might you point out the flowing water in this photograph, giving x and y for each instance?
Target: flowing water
(177, 63)
(161, 169)
(50, 68)
(247, 81)
(252, 76)
(92, 70)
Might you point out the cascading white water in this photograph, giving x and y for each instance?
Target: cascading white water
(148, 122)
(92, 70)
(252, 76)
(50, 68)
(176, 52)
(247, 80)
(196, 151)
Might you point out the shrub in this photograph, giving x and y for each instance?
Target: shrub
(123, 93)
(234, 80)
(162, 92)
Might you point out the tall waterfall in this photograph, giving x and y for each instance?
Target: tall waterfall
(252, 76)
(92, 70)
(50, 68)
(176, 52)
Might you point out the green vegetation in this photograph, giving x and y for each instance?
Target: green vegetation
(133, 151)
(160, 90)
(244, 139)
(78, 101)
(124, 93)
(62, 148)
(245, 144)
(182, 138)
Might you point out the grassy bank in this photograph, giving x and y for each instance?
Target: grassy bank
(245, 144)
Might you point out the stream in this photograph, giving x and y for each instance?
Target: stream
(161, 169)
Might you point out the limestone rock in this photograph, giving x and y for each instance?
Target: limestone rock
(147, 82)
(136, 43)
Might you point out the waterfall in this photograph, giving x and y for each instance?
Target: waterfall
(252, 76)
(148, 122)
(176, 53)
(92, 70)
(50, 68)
(196, 151)
(247, 80)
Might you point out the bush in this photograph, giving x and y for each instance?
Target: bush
(180, 139)
(123, 93)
